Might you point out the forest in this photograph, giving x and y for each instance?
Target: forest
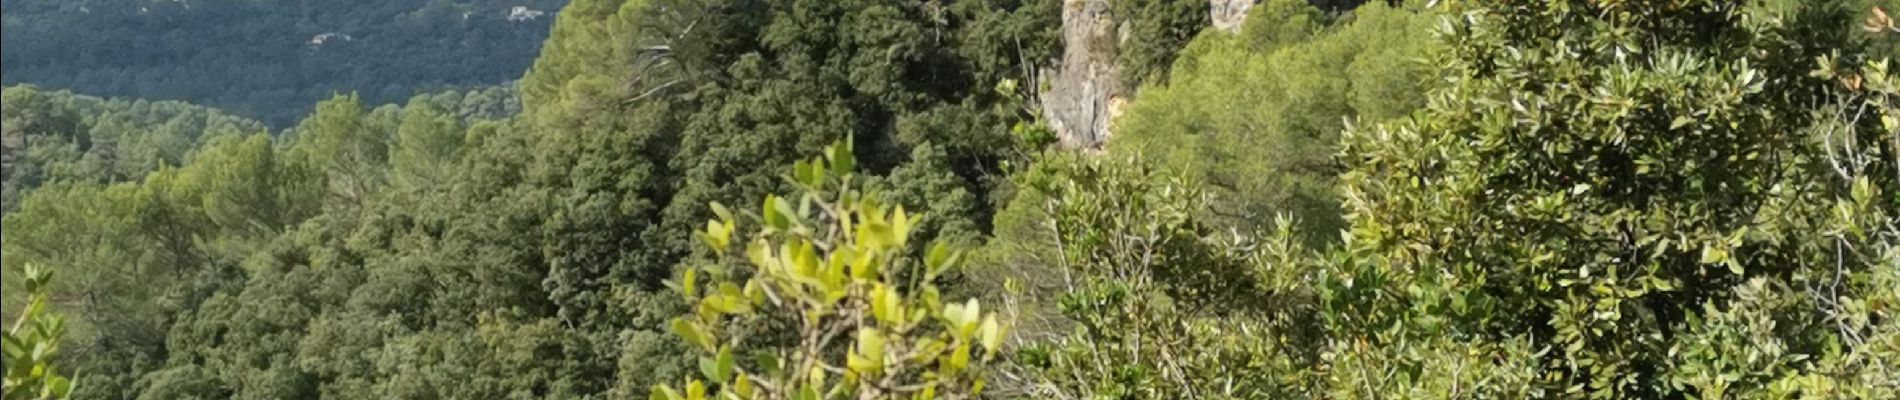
(269, 60)
(864, 199)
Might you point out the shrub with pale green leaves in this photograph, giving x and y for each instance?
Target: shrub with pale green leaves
(32, 346)
(832, 303)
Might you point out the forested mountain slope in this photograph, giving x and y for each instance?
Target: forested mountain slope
(60, 137)
(269, 60)
(828, 199)
(384, 252)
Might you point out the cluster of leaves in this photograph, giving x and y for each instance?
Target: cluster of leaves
(32, 347)
(831, 270)
(1590, 192)
(260, 59)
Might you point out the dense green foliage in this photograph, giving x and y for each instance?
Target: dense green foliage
(58, 136)
(1255, 116)
(263, 59)
(1620, 194)
(1678, 198)
(1170, 308)
(1671, 201)
(1149, 34)
(449, 249)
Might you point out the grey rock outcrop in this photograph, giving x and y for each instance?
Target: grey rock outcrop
(1084, 93)
(1228, 14)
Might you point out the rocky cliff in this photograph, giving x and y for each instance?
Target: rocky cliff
(1083, 88)
(1084, 94)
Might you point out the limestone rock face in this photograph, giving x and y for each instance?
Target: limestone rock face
(1228, 14)
(1083, 89)
(1084, 94)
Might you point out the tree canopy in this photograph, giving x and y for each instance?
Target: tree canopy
(736, 199)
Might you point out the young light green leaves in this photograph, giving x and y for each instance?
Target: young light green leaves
(834, 266)
(31, 345)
